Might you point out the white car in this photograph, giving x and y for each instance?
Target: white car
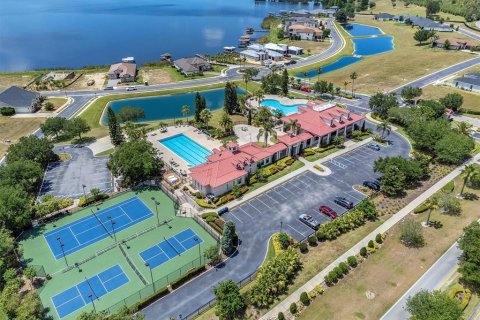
(131, 88)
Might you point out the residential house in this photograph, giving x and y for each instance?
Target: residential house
(470, 81)
(125, 72)
(304, 21)
(284, 49)
(454, 44)
(425, 23)
(23, 101)
(194, 65)
(300, 32)
(384, 17)
(253, 55)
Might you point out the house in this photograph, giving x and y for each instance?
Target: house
(194, 65)
(304, 21)
(273, 55)
(123, 71)
(277, 48)
(254, 55)
(58, 76)
(21, 100)
(299, 32)
(470, 81)
(424, 23)
(384, 17)
(454, 44)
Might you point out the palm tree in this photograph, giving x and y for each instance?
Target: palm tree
(259, 96)
(162, 124)
(432, 205)
(319, 70)
(463, 128)
(468, 172)
(265, 131)
(345, 84)
(186, 111)
(246, 78)
(226, 122)
(353, 76)
(384, 127)
(206, 116)
(294, 126)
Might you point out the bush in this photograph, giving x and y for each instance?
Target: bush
(304, 299)
(220, 223)
(7, 111)
(312, 240)
(343, 267)
(363, 252)
(331, 278)
(280, 316)
(303, 247)
(319, 289)
(411, 234)
(338, 272)
(203, 204)
(308, 152)
(352, 261)
(199, 195)
(449, 187)
(293, 308)
(209, 214)
(421, 208)
(371, 244)
(379, 238)
(284, 240)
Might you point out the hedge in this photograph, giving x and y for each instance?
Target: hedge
(7, 111)
(449, 187)
(187, 277)
(421, 208)
(466, 297)
(83, 202)
(209, 214)
(204, 204)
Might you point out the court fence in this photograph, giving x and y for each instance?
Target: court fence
(207, 228)
(40, 273)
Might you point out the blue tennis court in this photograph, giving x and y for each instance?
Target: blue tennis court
(77, 297)
(170, 248)
(88, 230)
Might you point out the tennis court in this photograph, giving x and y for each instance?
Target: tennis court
(170, 248)
(89, 290)
(96, 226)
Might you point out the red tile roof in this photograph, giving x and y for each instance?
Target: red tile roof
(290, 139)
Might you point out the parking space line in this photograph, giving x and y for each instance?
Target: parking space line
(234, 216)
(266, 205)
(239, 208)
(268, 195)
(300, 233)
(353, 196)
(281, 195)
(345, 159)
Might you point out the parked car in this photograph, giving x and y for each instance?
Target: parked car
(293, 61)
(372, 185)
(222, 211)
(329, 212)
(374, 146)
(305, 88)
(309, 221)
(341, 201)
(131, 88)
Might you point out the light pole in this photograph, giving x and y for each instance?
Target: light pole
(151, 275)
(281, 226)
(199, 250)
(156, 210)
(93, 303)
(84, 194)
(113, 228)
(63, 252)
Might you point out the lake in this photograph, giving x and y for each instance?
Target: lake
(361, 30)
(170, 106)
(57, 33)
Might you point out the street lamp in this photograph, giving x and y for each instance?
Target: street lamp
(113, 228)
(93, 303)
(156, 209)
(151, 275)
(84, 194)
(199, 250)
(281, 226)
(63, 252)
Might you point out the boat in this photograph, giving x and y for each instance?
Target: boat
(229, 49)
(249, 30)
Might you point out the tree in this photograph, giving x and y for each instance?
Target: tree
(266, 130)
(435, 305)
(432, 205)
(114, 129)
(15, 209)
(320, 87)
(341, 15)
(464, 128)
(449, 204)
(206, 116)
(435, 108)
(30, 273)
(248, 75)
(467, 173)
(231, 99)
(425, 134)
(454, 147)
(229, 300)
(469, 266)
(338, 141)
(285, 82)
(136, 161)
(53, 126)
(131, 114)
(226, 122)
(31, 148)
(393, 181)
(134, 133)
(381, 103)
(452, 101)
(385, 128)
(345, 84)
(26, 175)
(432, 7)
(228, 238)
(414, 170)
(212, 254)
(411, 93)
(200, 105)
(353, 77)
(186, 111)
(411, 234)
(421, 36)
(262, 116)
(294, 126)
(76, 127)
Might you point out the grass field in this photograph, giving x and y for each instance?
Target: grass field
(391, 271)
(37, 252)
(12, 129)
(471, 100)
(20, 79)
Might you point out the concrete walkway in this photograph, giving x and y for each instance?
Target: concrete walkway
(100, 145)
(387, 225)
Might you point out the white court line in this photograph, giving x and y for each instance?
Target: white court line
(73, 234)
(124, 213)
(76, 287)
(106, 291)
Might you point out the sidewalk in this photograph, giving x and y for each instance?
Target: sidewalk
(319, 278)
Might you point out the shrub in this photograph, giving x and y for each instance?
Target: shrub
(203, 204)
(319, 289)
(352, 261)
(281, 316)
(303, 247)
(199, 195)
(371, 244)
(449, 187)
(331, 278)
(220, 223)
(284, 240)
(7, 111)
(421, 208)
(293, 308)
(312, 294)
(312, 240)
(344, 267)
(304, 299)
(411, 234)
(338, 271)
(363, 252)
(319, 168)
(209, 214)
(378, 238)
(308, 152)
(211, 219)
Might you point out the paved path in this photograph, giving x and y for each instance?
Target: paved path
(439, 273)
(319, 278)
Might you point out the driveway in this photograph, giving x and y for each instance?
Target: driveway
(65, 178)
(256, 220)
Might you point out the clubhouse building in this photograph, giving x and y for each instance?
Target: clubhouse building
(317, 123)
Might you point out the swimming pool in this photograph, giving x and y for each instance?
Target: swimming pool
(187, 149)
(361, 30)
(275, 104)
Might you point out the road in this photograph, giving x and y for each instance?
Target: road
(469, 33)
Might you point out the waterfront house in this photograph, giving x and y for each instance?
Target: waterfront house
(384, 17)
(300, 32)
(23, 101)
(284, 49)
(424, 23)
(193, 65)
(254, 55)
(470, 81)
(304, 21)
(454, 44)
(125, 72)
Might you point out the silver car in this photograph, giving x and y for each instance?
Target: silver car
(309, 221)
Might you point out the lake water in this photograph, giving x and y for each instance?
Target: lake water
(374, 45)
(343, 62)
(57, 33)
(170, 106)
(361, 30)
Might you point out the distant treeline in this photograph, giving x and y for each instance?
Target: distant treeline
(470, 9)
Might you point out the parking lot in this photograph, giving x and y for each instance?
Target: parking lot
(280, 207)
(66, 178)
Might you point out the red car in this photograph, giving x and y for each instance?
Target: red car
(328, 211)
(305, 88)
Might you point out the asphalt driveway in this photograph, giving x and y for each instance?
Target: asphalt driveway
(66, 178)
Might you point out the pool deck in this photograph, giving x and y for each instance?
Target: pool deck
(283, 100)
(189, 131)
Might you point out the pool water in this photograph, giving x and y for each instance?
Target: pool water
(343, 62)
(187, 149)
(285, 109)
(170, 106)
(374, 45)
(361, 30)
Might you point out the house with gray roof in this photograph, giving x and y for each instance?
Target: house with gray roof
(384, 17)
(194, 65)
(470, 81)
(425, 23)
(23, 101)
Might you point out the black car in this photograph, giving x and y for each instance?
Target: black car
(341, 201)
(309, 221)
(372, 185)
